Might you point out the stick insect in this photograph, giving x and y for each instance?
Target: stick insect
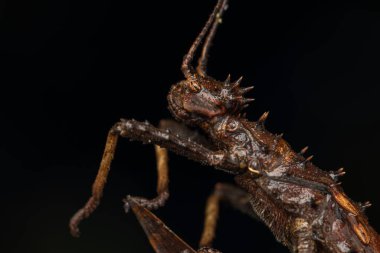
(305, 207)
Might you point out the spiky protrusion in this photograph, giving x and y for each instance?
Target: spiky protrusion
(304, 162)
(245, 90)
(238, 98)
(303, 151)
(340, 172)
(336, 184)
(336, 174)
(308, 159)
(247, 100)
(365, 205)
(263, 118)
(233, 92)
(236, 84)
(227, 82)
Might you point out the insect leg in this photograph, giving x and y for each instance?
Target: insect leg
(302, 237)
(98, 185)
(162, 183)
(185, 132)
(148, 134)
(230, 194)
(162, 167)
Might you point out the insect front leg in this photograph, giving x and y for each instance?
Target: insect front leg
(229, 194)
(97, 186)
(146, 133)
(163, 167)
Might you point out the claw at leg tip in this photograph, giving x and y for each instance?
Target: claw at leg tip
(75, 232)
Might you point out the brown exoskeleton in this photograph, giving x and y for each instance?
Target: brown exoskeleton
(302, 205)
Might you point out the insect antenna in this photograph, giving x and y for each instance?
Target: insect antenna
(213, 20)
(202, 61)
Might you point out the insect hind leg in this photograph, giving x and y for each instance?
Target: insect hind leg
(233, 196)
(98, 185)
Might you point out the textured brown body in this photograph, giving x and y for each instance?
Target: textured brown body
(302, 205)
(287, 189)
(292, 189)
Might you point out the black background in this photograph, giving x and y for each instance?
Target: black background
(70, 69)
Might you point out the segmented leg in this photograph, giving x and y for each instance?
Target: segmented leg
(187, 69)
(148, 134)
(202, 61)
(230, 194)
(162, 183)
(98, 185)
(303, 237)
(185, 132)
(163, 167)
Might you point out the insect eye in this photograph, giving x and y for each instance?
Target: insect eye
(194, 87)
(232, 126)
